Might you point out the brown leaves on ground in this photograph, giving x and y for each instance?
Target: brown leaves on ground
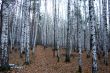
(44, 62)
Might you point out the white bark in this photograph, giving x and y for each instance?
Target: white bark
(67, 59)
(93, 30)
(105, 30)
(4, 35)
(36, 21)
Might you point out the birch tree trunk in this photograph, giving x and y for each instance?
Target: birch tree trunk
(36, 21)
(26, 29)
(104, 3)
(45, 24)
(22, 29)
(79, 29)
(93, 30)
(27, 32)
(101, 39)
(67, 59)
(4, 35)
(86, 31)
(109, 20)
(58, 33)
(55, 22)
(13, 25)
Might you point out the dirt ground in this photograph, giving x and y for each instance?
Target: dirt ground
(44, 62)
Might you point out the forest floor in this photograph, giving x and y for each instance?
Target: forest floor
(44, 62)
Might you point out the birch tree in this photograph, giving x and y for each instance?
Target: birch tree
(36, 21)
(4, 35)
(67, 59)
(93, 30)
(109, 18)
(55, 22)
(13, 24)
(45, 25)
(26, 30)
(79, 22)
(104, 3)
